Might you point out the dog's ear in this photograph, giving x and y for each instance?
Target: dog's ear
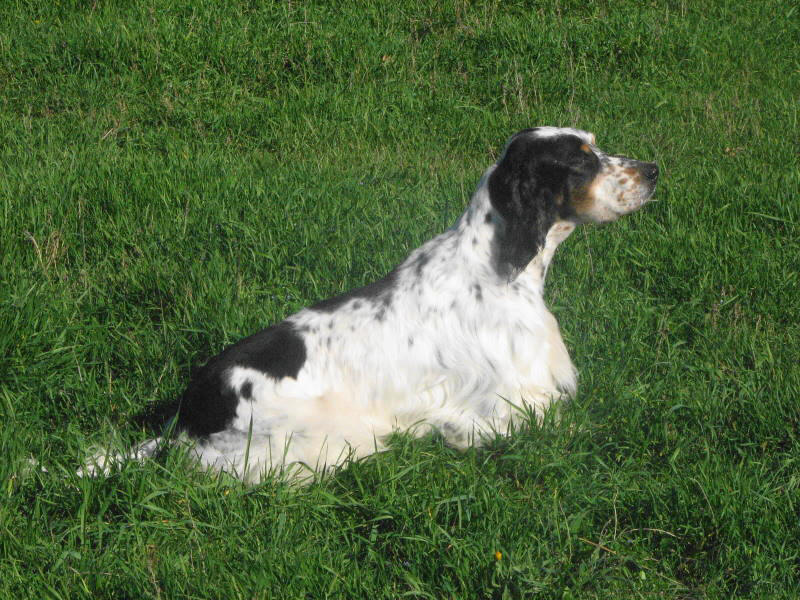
(526, 189)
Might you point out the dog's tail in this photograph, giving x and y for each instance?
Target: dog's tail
(102, 460)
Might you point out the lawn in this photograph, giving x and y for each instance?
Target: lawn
(177, 175)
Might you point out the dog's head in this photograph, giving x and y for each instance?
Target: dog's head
(551, 174)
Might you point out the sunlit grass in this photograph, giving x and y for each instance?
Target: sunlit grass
(178, 175)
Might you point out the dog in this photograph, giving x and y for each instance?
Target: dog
(456, 339)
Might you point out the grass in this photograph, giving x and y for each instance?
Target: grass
(176, 175)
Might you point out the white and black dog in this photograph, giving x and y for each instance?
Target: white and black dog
(457, 338)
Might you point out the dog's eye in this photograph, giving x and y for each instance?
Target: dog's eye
(586, 155)
(584, 162)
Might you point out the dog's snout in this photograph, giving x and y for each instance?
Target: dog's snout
(650, 170)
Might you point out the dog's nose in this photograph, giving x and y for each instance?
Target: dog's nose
(650, 171)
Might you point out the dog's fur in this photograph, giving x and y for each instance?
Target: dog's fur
(457, 338)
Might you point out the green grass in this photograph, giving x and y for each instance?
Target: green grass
(176, 175)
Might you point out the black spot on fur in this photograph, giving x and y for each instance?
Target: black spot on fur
(453, 431)
(478, 291)
(380, 292)
(410, 341)
(247, 390)
(419, 262)
(530, 189)
(209, 404)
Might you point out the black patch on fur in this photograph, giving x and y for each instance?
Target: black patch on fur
(419, 262)
(209, 404)
(478, 291)
(524, 189)
(380, 292)
(247, 390)
(453, 432)
(277, 351)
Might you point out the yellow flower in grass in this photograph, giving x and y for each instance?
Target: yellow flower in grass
(498, 555)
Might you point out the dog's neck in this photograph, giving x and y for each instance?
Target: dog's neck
(559, 231)
(478, 226)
